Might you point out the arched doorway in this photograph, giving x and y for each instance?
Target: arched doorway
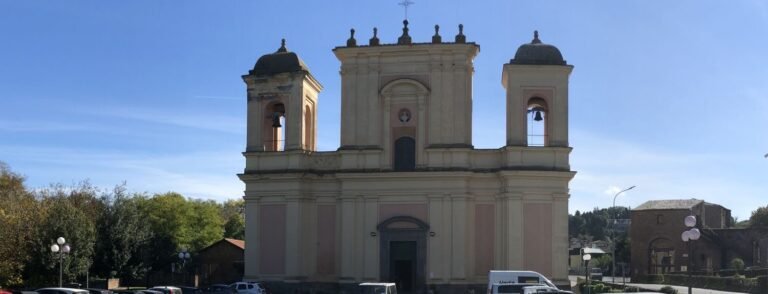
(403, 254)
(661, 256)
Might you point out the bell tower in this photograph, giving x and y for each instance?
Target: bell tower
(536, 81)
(282, 103)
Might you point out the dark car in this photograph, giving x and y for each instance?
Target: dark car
(98, 291)
(219, 289)
(190, 290)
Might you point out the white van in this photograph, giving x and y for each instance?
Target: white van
(517, 277)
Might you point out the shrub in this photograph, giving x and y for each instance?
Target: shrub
(668, 290)
(631, 289)
(737, 264)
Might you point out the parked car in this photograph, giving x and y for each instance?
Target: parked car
(189, 290)
(378, 288)
(53, 290)
(166, 289)
(219, 289)
(596, 274)
(98, 291)
(149, 292)
(248, 288)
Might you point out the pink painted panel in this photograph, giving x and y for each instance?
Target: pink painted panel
(272, 239)
(484, 238)
(415, 210)
(537, 235)
(326, 239)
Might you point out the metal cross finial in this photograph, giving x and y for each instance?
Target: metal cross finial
(405, 4)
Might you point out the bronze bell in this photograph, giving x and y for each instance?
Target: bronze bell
(537, 116)
(276, 119)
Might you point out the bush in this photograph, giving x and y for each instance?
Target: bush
(668, 290)
(737, 264)
(631, 289)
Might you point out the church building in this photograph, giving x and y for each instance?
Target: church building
(405, 198)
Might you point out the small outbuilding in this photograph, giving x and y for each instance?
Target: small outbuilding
(222, 262)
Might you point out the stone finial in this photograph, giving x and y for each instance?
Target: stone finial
(436, 39)
(282, 46)
(405, 39)
(536, 38)
(460, 38)
(351, 42)
(375, 40)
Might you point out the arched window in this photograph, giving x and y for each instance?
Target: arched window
(405, 154)
(538, 116)
(309, 129)
(275, 141)
(661, 257)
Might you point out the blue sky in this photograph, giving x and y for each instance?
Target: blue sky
(671, 96)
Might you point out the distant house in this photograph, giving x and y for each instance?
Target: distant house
(222, 262)
(657, 246)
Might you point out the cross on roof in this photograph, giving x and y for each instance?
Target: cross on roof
(405, 5)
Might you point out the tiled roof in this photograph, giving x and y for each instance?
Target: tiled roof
(669, 204)
(236, 242)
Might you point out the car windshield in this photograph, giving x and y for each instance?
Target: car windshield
(597, 270)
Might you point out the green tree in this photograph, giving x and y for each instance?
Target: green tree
(19, 216)
(206, 224)
(62, 219)
(178, 223)
(232, 213)
(759, 217)
(123, 234)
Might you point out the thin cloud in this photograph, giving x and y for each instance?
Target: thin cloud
(204, 121)
(661, 174)
(204, 97)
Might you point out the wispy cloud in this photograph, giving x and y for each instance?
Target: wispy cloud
(206, 121)
(208, 174)
(608, 165)
(206, 97)
(44, 126)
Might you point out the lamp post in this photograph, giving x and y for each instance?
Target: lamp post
(613, 235)
(60, 247)
(586, 258)
(184, 256)
(692, 234)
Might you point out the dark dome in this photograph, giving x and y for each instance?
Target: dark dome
(538, 53)
(279, 62)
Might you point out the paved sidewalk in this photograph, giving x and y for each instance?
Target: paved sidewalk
(680, 289)
(656, 287)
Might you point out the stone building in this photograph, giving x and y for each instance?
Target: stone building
(406, 197)
(657, 247)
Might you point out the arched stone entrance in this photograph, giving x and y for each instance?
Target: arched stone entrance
(403, 254)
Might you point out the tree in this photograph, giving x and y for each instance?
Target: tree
(206, 224)
(62, 219)
(232, 212)
(18, 220)
(759, 217)
(178, 223)
(123, 233)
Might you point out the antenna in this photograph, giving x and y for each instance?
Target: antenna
(405, 5)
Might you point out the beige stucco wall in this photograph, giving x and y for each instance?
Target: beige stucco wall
(504, 208)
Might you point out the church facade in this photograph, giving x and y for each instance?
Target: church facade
(406, 198)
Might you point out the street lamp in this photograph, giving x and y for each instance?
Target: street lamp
(61, 247)
(586, 258)
(692, 234)
(184, 256)
(613, 236)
